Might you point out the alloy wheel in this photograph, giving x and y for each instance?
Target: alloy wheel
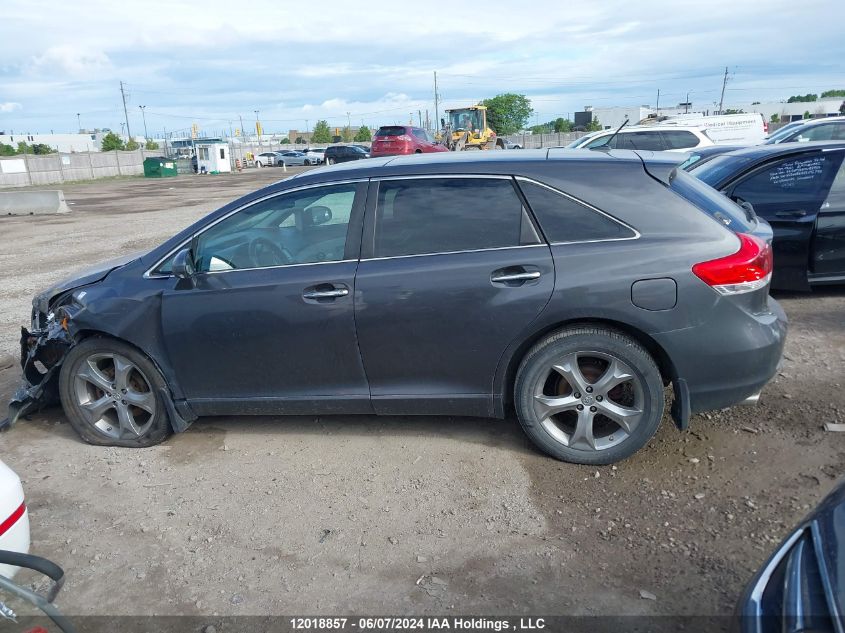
(115, 396)
(589, 401)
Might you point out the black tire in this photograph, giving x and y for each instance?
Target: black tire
(330, 161)
(156, 427)
(644, 388)
(307, 162)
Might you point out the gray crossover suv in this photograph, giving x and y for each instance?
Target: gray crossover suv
(567, 285)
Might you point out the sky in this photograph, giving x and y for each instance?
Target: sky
(213, 62)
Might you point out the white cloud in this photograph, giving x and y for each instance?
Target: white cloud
(10, 106)
(215, 62)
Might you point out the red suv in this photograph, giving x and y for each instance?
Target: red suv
(403, 139)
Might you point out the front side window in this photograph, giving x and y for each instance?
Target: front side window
(301, 227)
(441, 215)
(794, 180)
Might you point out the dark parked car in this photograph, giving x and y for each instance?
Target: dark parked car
(344, 153)
(571, 286)
(799, 188)
(826, 129)
(701, 155)
(802, 585)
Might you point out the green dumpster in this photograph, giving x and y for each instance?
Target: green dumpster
(159, 167)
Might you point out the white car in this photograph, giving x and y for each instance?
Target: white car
(14, 518)
(676, 138)
(315, 155)
(265, 159)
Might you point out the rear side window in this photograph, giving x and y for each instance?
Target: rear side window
(679, 139)
(713, 203)
(440, 215)
(391, 130)
(639, 140)
(563, 219)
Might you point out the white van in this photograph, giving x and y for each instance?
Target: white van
(726, 129)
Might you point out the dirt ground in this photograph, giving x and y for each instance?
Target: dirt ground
(357, 514)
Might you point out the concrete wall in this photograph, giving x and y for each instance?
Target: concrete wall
(537, 141)
(52, 169)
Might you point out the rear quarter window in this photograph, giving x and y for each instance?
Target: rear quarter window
(564, 219)
(713, 203)
(679, 139)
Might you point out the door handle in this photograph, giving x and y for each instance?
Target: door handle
(791, 214)
(526, 276)
(325, 294)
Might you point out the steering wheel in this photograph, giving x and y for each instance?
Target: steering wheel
(265, 252)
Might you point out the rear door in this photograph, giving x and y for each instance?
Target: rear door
(828, 248)
(452, 270)
(788, 192)
(646, 139)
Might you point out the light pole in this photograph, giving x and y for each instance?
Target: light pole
(78, 122)
(257, 127)
(144, 117)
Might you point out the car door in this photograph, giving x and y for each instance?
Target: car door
(788, 193)
(452, 270)
(827, 259)
(267, 323)
(645, 140)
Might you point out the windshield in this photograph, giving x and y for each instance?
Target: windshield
(714, 172)
(783, 132)
(465, 119)
(582, 140)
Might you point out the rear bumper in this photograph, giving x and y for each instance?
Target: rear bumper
(15, 539)
(729, 358)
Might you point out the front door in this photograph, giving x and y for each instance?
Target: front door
(452, 270)
(788, 193)
(267, 324)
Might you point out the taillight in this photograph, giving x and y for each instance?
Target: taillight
(765, 127)
(750, 268)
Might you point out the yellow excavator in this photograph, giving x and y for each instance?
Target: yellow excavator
(467, 129)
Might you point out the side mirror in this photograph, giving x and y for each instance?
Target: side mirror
(183, 264)
(317, 215)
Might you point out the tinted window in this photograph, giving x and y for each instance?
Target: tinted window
(439, 215)
(823, 132)
(711, 202)
(296, 228)
(796, 179)
(391, 130)
(563, 219)
(638, 140)
(835, 201)
(718, 170)
(679, 139)
(419, 133)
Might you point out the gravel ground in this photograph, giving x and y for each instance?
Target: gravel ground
(362, 514)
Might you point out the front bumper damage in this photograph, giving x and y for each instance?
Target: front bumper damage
(42, 353)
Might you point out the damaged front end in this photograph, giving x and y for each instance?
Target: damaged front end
(42, 351)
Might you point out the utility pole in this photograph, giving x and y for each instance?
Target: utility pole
(125, 113)
(658, 102)
(686, 104)
(724, 83)
(419, 114)
(242, 126)
(436, 101)
(144, 117)
(78, 122)
(348, 122)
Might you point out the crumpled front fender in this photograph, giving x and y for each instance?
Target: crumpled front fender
(42, 353)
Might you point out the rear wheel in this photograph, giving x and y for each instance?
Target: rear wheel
(331, 161)
(589, 395)
(111, 394)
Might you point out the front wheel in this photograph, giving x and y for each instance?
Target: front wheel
(111, 394)
(330, 161)
(307, 163)
(589, 395)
